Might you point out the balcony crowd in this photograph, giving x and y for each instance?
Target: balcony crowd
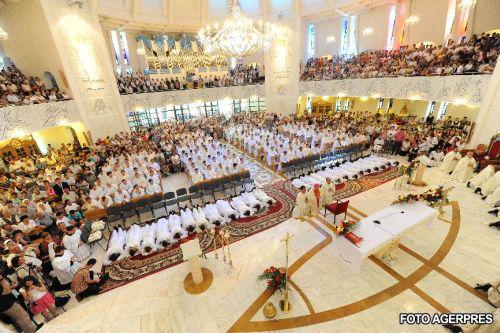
(478, 55)
(18, 89)
(140, 83)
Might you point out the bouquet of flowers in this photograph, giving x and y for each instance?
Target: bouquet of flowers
(344, 227)
(276, 278)
(433, 197)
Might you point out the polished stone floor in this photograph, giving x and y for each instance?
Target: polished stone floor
(326, 296)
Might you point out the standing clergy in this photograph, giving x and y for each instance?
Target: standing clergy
(450, 161)
(64, 264)
(72, 241)
(312, 200)
(465, 167)
(301, 208)
(327, 192)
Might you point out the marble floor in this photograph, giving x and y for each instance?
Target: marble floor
(326, 296)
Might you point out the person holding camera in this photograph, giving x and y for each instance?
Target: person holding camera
(39, 298)
(10, 307)
(87, 282)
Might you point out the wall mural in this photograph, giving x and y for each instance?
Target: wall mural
(31, 118)
(463, 89)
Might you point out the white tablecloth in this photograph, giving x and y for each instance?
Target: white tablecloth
(394, 220)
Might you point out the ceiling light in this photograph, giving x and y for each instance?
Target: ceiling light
(330, 39)
(238, 37)
(413, 19)
(367, 31)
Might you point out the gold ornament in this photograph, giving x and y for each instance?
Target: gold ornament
(269, 310)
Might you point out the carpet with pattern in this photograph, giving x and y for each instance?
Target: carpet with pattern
(137, 267)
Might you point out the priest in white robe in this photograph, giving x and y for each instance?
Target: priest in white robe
(64, 264)
(494, 198)
(465, 167)
(327, 192)
(72, 241)
(491, 184)
(301, 208)
(450, 161)
(478, 180)
(313, 199)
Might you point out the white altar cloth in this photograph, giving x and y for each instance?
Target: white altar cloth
(394, 221)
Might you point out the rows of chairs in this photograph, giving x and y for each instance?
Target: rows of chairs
(161, 204)
(313, 163)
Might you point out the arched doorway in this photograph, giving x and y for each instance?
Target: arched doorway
(49, 79)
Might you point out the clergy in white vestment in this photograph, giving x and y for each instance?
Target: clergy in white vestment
(494, 198)
(63, 262)
(301, 208)
(312, 199)
(436, 156)
(72, 242)
(152, 187)
(327, 192)
(465, 167)
(478, 180)
(450, 161)
(491, 184)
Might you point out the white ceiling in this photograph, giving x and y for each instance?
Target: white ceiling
(190, 15)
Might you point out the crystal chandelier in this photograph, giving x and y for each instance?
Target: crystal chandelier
(238, 37)
(3, 35)
(413, 19)
(367, 31)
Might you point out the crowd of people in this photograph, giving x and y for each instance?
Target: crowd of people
(477, 55)
(140, 83)
(18, 89)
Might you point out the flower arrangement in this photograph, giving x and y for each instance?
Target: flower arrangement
(344, 227)
(433, 197)
(276, 278)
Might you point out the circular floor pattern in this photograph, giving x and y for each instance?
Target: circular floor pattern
(245, 323)
(192, 288)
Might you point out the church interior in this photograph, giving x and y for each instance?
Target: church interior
(249, 166)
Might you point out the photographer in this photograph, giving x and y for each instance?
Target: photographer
(11, 308)
(86, 282)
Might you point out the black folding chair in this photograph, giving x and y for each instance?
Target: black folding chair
(218, 187)
(142, 207)
(170, 200)
(113, 214)
(128, 211)
(195, 193)
(206, 190)
(156, 203)
(182, 196)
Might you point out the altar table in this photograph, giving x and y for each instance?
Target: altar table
(395, 220)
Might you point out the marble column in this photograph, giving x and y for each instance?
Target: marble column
(81, 46)
(488, 120)
(282, 63)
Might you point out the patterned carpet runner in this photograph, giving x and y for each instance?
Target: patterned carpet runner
(137, 267)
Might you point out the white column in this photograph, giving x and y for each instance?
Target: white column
(80, 44)
(282, 68)
(488, 120)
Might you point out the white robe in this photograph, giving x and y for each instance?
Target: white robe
(491, 184)
(464, 169)
(241, 207)
(200, 219)
(482, 177)
(116, 245)
(187, 220)
(252, 201)
(312, 201)
(327, 192)
(494, 198)
(163, 234)
(134, 239)
(174, 223)
(148, 239)
(225, 210)
(72, 243)
(301, 208)
(263, 197)
(213, 216)
(63, 269)
(450, 161)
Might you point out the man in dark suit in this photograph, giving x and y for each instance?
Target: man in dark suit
(59, 187)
